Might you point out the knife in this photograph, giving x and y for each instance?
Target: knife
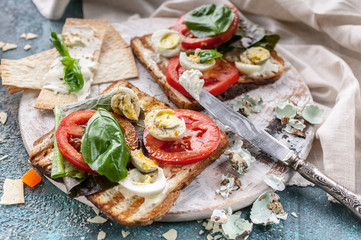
(261, 139)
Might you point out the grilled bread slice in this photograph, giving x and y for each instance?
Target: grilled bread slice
(123, 206)
(157, 66)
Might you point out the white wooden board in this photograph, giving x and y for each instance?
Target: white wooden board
(198, 200)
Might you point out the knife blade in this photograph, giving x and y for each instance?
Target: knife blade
(261, 139)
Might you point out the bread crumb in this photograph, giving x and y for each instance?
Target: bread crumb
(23, 35)
(13, 192)
(96, 210)
(9, 46)
(3, 117)
(2, 44)
(209, 237)
(201, 232)
(97, 219)
(101, 235)
(27, 47)
(217, 237)
(170, 235)
(31, 36)
(125, 233)
(294, 214)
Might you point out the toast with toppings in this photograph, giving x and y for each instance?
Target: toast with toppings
(119, 204)
(151, 50)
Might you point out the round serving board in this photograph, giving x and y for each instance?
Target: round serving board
(198, 200)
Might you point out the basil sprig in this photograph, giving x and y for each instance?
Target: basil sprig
(72, 73)
(209, 54)
(103, 146)
(250, 35)
(209, 20)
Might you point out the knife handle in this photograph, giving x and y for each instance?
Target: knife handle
(351, 200)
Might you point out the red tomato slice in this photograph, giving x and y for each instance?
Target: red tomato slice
(200, 140)
(216, 80)
(189, 41)
(70, 130)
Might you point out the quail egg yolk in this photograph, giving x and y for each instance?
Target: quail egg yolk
(169, 41)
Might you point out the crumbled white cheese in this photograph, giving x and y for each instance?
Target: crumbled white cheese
(97, 219)
(170, 235)
(192, 82)
(229, 183)
(3, 117)
(294, 214)
(9, 46)
(27, 47)
(101, 235)
(125, 234)
(31, 36)
(13, 192)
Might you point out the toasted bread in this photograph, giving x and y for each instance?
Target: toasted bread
(117, 203)
(157, 66)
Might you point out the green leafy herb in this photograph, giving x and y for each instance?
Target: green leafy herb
(209, 54)
(209, 20)
(72, 73)
(250, 35)
(60, 166)
(103, 146)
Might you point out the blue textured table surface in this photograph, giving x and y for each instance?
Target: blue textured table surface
(49, 214)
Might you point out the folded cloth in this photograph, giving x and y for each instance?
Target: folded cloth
(321, 40)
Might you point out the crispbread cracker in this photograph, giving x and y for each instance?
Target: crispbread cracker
(26, 72)
(17, 76)
(48, 99)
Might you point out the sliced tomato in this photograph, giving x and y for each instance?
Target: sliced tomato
(189, 41)
(69, 134)
(202, 137)
(216, 80)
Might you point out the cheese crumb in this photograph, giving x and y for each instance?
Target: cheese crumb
(97, 219)
(27, 47)
(294, 214)
(9, 46)
(3, 117)
(96, 210)
(31, 36)
(125, 233)
(13, 192)
(101, 235)
(170, 235)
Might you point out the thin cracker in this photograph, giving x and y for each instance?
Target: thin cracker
(18, 77)
(48, 99)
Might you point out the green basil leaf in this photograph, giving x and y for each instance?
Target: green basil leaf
(209, 20)
(72, 74)
(209, 54)
(268, 41)
(103, 146)
(59, 44)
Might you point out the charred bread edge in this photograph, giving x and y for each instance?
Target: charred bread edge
(243, 85)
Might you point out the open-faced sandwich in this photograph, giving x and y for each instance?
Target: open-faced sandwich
(94, 149)
(211, 42)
